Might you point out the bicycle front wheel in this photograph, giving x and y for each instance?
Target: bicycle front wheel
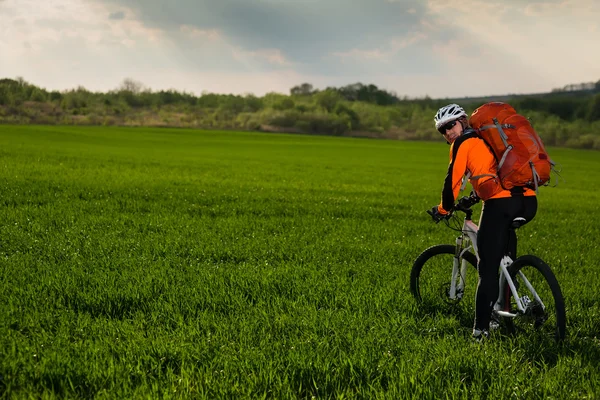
(536, 284)
(433, 283)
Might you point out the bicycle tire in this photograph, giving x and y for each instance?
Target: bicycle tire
(550, 321)
(436, 261)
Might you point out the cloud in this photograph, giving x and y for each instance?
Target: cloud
(52, 47)
(117, 16)
(305, 33)
(195, 33)
(391, 48)
(273, 56)
(435, 47)
(561, 8)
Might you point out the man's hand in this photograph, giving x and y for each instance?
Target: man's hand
(436, 215)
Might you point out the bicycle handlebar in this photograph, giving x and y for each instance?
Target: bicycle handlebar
(465, 203)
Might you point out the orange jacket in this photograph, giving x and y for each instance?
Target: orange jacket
(469, 155)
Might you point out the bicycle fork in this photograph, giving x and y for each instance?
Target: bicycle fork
(522, 302)
(459, 272)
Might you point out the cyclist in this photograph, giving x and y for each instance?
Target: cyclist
(471, 158)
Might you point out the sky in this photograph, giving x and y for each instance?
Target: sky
(414, 48)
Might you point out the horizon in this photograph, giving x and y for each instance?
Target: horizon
(410, 48)
(149, 89)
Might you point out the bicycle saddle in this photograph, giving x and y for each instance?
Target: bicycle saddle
(517, 222)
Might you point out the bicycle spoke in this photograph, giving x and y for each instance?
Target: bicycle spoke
(432, 276)
(544, 306)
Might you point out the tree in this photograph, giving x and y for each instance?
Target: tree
(593, 113)
(253, 103)
(55, 96)
(132, 86)
(350, 92)
(368, 93)
(232, 103)
(38, 95)
(328, 99)
(341, 109)
(304, 89)
(277, 101)
(285, 103)
(3, 95)
(209, 100)
(15, 91)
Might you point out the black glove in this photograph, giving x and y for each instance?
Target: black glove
(435, 214)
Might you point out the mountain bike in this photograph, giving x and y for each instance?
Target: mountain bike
(530, 299)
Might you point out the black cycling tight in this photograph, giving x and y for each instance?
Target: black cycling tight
(495, 238)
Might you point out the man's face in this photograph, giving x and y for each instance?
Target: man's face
(453, 130)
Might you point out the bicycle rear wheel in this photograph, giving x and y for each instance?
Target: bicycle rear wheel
(545, 313)
(431, 277)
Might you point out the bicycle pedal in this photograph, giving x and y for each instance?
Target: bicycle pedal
(525, 302)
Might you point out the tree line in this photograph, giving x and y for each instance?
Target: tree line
(567, 116)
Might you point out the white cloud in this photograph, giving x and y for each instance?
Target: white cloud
(376, 54)
(579, 8)
(195, 33)
(118, 15)
(43, 24)
(272, 56)
(550, 47)
(488, 10)
(399, 43)
(387, 52)
(66, 43)
(78, 43)
(436, 47)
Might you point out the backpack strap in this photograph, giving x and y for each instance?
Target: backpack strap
(557, 169)
(536, 176)
(465, 180)
(500, 128)
(504, 138)
(504, 155)
(484, 175)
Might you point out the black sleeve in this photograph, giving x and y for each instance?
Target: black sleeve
(447, 192)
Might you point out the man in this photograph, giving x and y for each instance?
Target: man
(470, 156)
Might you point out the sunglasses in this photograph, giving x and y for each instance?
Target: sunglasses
(448, 125)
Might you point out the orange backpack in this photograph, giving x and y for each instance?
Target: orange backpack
(519, 151)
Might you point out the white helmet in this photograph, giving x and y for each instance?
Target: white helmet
(448, 113)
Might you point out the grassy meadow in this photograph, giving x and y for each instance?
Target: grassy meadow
(174, 263)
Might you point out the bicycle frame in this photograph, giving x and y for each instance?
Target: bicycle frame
(457, 286)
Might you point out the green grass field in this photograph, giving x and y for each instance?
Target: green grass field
(146, 263)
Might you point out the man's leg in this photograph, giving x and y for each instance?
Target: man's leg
(492, 239)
